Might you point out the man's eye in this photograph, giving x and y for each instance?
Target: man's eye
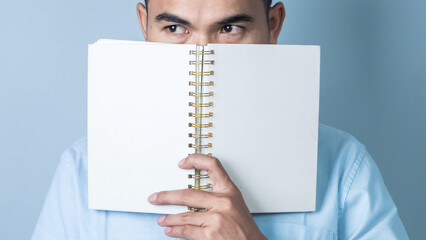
(232, 29)
(177, 29)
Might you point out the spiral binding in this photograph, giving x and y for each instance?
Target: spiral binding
(199, 104)
(201, 125)
(201, 115)
(202, 52)
(204, 62)
(198, 176)
(201, 84)
(196, 146)
(198, 187)
(192, 135)
(193, 94)
(195, 73)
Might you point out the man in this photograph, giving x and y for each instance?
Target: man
(352, 200)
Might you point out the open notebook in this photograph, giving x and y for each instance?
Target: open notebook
(254, 107)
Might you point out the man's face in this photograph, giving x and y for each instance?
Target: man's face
(210, 21)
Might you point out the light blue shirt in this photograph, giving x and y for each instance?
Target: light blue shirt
(352, 202)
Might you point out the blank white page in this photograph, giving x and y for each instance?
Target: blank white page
(265, 124)
(137, 124)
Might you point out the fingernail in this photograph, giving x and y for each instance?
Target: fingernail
(182, 161)
(152, 197)
(161, 219)
(168, 229)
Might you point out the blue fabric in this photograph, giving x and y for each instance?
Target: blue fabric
(352, 202)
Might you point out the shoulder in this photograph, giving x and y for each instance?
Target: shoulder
(339, 157)
(77, 148)
(335, 140)
(351, 173)
(75, 155)
(338, 148)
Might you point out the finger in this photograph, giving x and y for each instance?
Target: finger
(198, 219)
(187, 232)
(185, 197)
(212, 165)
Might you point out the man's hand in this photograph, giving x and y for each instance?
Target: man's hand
(226, 215)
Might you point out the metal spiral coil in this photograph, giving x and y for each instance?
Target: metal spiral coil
(199, 114)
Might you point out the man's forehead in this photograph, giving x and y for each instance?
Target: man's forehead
(208, 10)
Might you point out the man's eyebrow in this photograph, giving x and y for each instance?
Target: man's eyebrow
(236, 18)
(171, 18)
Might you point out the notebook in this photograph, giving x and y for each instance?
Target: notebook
(252, 106)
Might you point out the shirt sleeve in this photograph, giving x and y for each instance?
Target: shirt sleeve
(59, 213)
(368, 210)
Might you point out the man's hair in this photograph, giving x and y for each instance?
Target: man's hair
(267, 3)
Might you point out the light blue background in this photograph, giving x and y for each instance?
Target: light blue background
(373, 85)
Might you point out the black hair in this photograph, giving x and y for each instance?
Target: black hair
(267, 3)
